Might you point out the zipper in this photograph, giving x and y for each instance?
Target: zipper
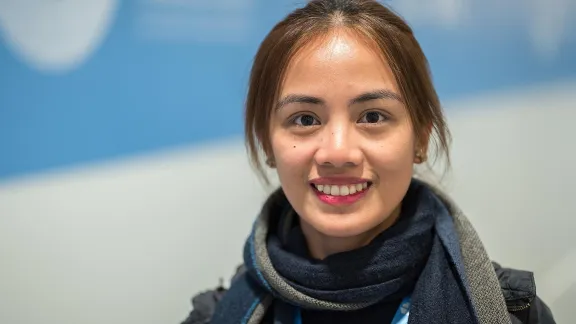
(519, 308)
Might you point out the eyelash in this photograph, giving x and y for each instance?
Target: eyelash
(295, 118)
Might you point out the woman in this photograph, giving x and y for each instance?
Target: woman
(342, 105)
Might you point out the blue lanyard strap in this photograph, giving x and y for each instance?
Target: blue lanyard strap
(403, 311)
(401, 316)
(298, 317)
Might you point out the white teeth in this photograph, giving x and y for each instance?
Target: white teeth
(334, 190)
(353, 190)
(345, 190)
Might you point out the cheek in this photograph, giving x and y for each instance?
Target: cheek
(293, 157)
(395, 153)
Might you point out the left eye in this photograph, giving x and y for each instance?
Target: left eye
(372, 117)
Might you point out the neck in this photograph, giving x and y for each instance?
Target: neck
(322, 246)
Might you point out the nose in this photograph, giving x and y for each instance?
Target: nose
(339, 147)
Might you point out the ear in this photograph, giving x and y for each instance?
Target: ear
(271, 163)
(269, 154)
(421, 145)
(425, 137)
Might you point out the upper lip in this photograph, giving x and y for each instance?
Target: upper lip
(338, 180)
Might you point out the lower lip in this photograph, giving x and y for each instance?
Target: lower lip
(340, 200)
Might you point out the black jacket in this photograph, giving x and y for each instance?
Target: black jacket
(518, 288)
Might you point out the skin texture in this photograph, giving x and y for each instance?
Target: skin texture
(317, 130)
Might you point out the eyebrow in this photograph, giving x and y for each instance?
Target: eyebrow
(367, 96)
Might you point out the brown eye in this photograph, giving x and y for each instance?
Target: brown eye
(373, 117)
(306, 120)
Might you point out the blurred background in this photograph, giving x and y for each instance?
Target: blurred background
(124, 184)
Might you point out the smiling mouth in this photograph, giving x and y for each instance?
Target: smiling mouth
(342, 190)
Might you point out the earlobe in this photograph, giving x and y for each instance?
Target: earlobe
(420, 156)
(271, 163)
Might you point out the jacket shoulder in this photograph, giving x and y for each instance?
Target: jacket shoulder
(204, 303)
(519, 291)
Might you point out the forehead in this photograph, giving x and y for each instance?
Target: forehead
(341, 58)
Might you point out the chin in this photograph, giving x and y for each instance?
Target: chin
(342, 225)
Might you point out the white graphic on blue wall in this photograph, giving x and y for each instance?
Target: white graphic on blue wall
(55, 36)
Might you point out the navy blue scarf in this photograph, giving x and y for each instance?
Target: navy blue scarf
(419, 255)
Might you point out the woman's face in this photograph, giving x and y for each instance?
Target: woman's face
(341, 137)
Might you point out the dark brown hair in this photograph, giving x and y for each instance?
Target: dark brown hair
(376, 23)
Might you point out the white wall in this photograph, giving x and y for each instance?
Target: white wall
(130, 241)
(514, 174)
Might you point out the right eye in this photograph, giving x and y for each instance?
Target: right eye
(306, 120)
